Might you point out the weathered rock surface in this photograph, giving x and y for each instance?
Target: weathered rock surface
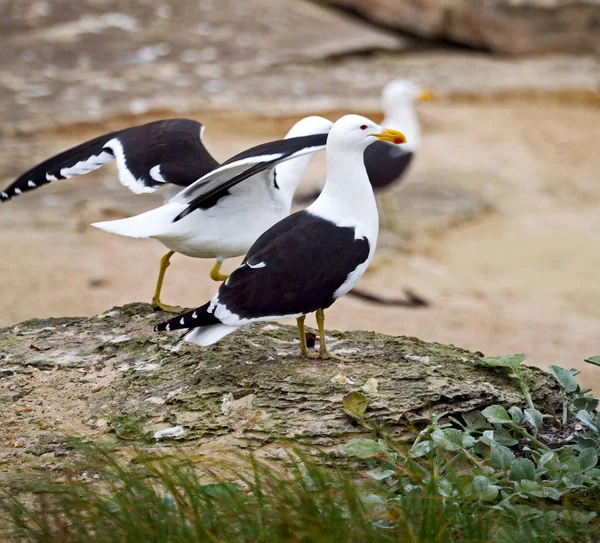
(110, 375)
(507, 26)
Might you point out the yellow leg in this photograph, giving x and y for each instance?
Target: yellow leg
(303, 346)
(214, 273)
(324, 354)
(156, 303)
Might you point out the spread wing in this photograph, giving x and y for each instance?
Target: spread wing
(147, 157)
(245, 165)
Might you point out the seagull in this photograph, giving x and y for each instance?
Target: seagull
(227, 216)
(308, 260)
(386, 164)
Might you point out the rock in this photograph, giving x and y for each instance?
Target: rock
(135, 60)
(253, 389)
(506, 26)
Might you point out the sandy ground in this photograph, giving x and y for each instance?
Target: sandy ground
(521, 278)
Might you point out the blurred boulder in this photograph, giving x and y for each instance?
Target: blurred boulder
(506, 26)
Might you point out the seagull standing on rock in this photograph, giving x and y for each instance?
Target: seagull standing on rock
(215, 215)
(308, 260)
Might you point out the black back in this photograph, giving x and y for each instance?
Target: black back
(385, 163)
(306, 259)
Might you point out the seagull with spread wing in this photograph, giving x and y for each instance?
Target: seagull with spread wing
(215, 215)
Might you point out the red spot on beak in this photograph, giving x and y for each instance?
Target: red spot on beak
(398, 140)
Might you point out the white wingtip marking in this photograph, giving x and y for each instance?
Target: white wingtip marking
(182, 321)
(4, 195)
(17, 191)
(168, 328)
(31, 184)
(194, 315)
(255, 266)
(125, 176)
(156, 175)
(50, 177)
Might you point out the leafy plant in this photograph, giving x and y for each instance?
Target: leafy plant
(502, 473)
(515, 466)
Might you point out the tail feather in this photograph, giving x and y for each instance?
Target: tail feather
(204, 328)
(155, 222)
(191, 319)
(208, 335)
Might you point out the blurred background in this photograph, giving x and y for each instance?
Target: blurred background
(498, 220)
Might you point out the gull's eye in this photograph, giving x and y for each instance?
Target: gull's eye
(364, 127)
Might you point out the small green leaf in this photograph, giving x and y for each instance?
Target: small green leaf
(537, 490)
(484, 490)
(522, 468)
(573, 480)
(593, 360)
(420, 449)
(573, 516)
(509, 361)
(449, 439)
(445, 488)
(496, 414)
(468, 441)
(363, 448)
(355, 404)
(504, 438)
(588, 459)
(564, 378)
(502, 457)
(534, 417)
(594, 473)
(586, 418)
(545, 458)
(515, 414)
(378, 474)
(475, 420)
(374, 504)
(487, 438)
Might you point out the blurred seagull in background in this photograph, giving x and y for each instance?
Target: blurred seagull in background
(308, 260)
(386, 164)
(215, 215)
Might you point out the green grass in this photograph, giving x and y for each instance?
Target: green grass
(501, 474)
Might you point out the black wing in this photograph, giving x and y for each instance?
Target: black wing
(294, 268)
(245, 165)
(148, 156)
(385, 163)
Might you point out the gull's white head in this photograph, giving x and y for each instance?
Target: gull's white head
(308, 126)
(357, 132)
(401, 93)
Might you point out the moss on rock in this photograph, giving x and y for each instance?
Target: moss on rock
(253, 388)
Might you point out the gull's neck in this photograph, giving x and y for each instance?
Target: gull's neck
(288, 175)
(347, 198)
(404, 117)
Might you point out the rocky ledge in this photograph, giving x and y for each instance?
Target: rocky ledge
(110, 377)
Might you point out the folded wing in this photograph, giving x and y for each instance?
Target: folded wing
(243, 166)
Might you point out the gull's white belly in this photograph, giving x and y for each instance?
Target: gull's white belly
(225, 230)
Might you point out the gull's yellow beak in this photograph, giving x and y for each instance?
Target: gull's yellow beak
(395, 136)
(426, 96)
